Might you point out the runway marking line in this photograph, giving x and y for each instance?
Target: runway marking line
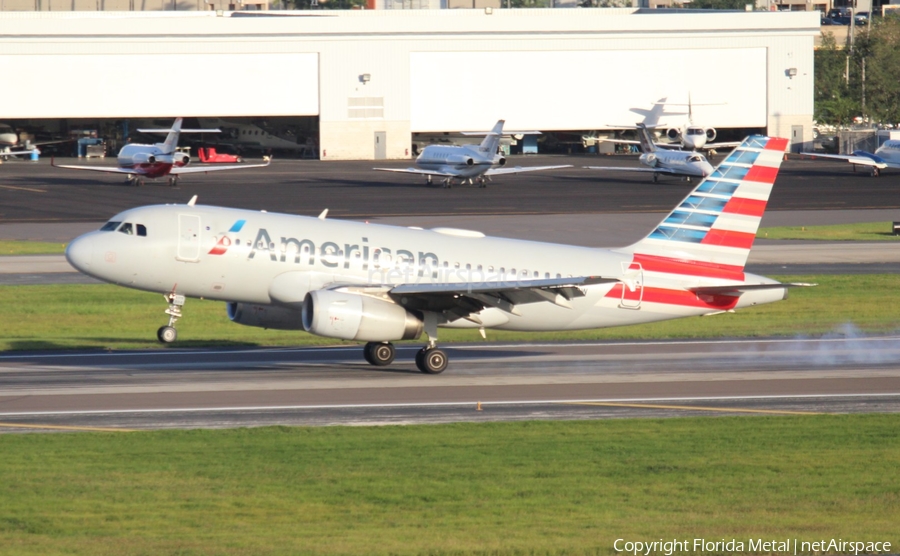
(697, 408)
(61, 427)
(23, 188)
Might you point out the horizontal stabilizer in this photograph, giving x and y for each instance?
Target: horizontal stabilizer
(738, 289)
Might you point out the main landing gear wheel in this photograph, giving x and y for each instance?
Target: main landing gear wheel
(167, 334)
(655, 178)
(875, 172)
(379, 353)
(431, 360)
(173, 181)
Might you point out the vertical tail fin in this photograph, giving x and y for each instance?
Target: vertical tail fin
(647, 145)
(490, 143)
(171, 141)
(714, 227)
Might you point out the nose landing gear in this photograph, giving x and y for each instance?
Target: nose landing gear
(167, 334)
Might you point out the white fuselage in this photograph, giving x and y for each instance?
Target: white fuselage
(466, 161)
(682, 162)
(693, 138)
(275, 259)
(889, 151)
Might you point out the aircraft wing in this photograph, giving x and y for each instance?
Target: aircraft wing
(15, 153)
(462, 300)
(722, 145)
(738, 289)
(630, 142)
(862, 160)
(417, 171)
(626, 169)
(213, 168)
(518, 169)
(109, 169)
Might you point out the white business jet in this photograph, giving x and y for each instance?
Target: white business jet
(885, 156)
(379, 284)
(472, 163)
(687, 136)
(687, 164)
(158, 160)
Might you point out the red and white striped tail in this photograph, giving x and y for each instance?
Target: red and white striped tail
(710, 233)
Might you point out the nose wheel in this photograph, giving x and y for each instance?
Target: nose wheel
(167, 334)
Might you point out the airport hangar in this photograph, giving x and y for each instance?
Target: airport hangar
(371, 79)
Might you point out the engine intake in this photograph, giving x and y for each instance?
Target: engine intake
(673, 133)
(350, 316)
(265, 316)
(710, 134)
(502, 161)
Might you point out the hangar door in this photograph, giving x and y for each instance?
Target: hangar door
(160, 85)
(579, 90)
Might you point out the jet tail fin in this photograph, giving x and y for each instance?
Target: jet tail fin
(712, 230)
(490, 143)
(171, 142)
(646, 139)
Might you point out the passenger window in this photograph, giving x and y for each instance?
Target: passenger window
(110, 227)
(142, 230)
(126, 229)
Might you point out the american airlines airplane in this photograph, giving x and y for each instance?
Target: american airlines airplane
(664, 161)
(885, 156)
(379, 284)
(158, 160)
(467, 162)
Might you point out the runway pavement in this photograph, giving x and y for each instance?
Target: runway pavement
(317, 386)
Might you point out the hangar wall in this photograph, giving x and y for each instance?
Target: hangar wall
(394, 72)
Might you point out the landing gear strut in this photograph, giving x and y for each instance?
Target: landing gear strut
(173, 181)
(379, 353)
(431, 360)
(167, 334)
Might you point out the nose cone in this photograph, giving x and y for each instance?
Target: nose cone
(707, 169)
(80, 252)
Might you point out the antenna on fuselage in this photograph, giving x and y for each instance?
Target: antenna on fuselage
(193, 201)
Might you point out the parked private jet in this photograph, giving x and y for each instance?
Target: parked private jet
(885, 156)
(9, 140)
(687, 135)
(159, 160)
(663, 161)
(379, 284)
(472, 163)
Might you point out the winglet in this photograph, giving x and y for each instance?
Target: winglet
(193, 201)
(323, 214)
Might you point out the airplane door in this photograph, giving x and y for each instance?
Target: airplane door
(796, 138)
(633, 286)
(380, 145)
(188, 238)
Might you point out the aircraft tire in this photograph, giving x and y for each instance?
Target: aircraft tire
(167, 334)
(379, 354)
(875, 172)
(431, 361)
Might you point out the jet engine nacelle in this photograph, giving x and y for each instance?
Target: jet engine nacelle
(265, 316)
(649, 159)
(181, 159)
(502, 161)
(673, 133)
(143, 158)
(457, 159)
(710, 134)
(351, 316)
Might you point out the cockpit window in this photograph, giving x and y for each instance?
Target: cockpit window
(126, 228)
(110, 226)
(141, 229)
(694, 159)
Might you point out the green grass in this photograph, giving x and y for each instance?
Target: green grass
(9, 247)
(491, 488)
(106, 316)
(865, 231)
